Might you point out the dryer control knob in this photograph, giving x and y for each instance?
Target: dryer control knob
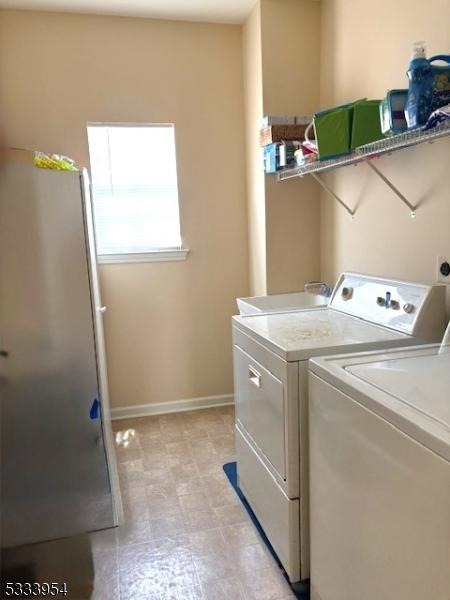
(395, 305)
(347, 293)
(408, 308)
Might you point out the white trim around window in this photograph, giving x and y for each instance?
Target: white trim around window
(168, 255)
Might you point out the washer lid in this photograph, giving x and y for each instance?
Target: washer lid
(422, 382)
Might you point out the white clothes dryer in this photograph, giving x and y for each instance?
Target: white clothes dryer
(271, 355)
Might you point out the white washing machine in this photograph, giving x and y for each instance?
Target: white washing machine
(379, 426)
(271, 355)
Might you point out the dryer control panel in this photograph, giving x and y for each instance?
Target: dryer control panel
(411, 308)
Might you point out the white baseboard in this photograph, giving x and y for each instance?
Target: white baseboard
(174, 406)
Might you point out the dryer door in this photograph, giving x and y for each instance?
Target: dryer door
(260, 408)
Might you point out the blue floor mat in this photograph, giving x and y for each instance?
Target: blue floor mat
(231, 473)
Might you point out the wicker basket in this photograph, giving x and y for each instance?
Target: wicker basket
(278, 133)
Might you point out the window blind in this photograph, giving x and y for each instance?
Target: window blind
(134, 186)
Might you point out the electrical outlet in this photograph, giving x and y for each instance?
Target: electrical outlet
(443, 269)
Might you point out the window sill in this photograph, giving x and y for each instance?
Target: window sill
(156, 256)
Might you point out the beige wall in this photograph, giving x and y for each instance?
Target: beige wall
(290, 31)
(168, 324)
(283, 218)
(253, 93)
(167, 327)
(290, 56)
(365, 51)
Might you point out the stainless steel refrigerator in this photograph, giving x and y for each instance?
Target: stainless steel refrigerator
(58, 472)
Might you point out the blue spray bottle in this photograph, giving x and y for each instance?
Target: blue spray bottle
(418, 103)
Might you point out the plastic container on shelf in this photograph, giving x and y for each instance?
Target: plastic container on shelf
(441, 81)
(341, 129)
(418, 102)
(271, 158)
(392, 112)
(366, 125)
(333, 131)
(429, 85)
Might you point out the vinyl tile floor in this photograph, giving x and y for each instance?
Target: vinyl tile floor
(185, 535)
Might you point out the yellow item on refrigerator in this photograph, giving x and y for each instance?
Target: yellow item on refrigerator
(54, 161)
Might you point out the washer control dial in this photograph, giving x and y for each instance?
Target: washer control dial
(347, 293)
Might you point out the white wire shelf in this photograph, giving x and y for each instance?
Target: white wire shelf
(366, 154)
(369, 151)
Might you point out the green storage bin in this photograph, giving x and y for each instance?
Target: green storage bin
(366, 126)
(333, 129)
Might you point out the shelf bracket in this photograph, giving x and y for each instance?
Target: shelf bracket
(396, 191)
(322, 183)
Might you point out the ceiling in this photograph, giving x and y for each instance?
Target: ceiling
(213, 11)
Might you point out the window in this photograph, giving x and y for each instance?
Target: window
(135, 194)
